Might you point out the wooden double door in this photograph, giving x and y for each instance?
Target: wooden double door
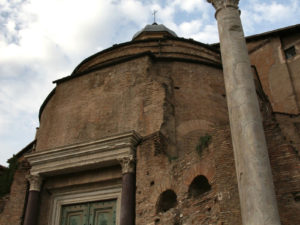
(91, 213)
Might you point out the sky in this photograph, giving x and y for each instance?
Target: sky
(44, 40)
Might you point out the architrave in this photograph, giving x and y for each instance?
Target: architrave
(84, 156)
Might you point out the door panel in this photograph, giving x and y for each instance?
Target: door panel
(93, 213)
(103, 213)
(75, 215)
(75, 219)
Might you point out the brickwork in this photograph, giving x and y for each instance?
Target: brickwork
(227, 189)
(3, 201)
(103, 103)
(13, 210)
(279, 77)
(286, 173)
(161, 47)
(156, 173)
(109, 101)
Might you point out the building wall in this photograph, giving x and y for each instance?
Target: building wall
(279, 79)
(160, 47)
(284, 161)
(13, 210)
(127, 95)
(172, 97)
(156, 173)
(145, 94)
(106, 102)
(286, 173)
(279, 76)
(199, 109)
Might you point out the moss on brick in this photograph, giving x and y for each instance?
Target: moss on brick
(204, 141)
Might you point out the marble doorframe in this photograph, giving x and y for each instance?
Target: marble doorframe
(59, 199)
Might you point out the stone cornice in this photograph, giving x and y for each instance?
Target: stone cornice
(35, 182)
(83, 156)
(219, 4)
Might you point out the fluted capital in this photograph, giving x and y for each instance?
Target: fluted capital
(127, 163)
(35, 182)
(219, 4)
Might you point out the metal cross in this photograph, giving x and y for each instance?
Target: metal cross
(154, 15)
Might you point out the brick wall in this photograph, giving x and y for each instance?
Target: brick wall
(285, 164)
(156, 173)
(13, 210)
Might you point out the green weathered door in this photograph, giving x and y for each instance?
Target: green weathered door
(92, 213)
(75, 215)
(103, 213)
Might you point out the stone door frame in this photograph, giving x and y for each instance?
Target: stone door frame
(82, 196)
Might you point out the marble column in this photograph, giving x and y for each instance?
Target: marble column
(127, 216)
(32, 207)
(255, 182)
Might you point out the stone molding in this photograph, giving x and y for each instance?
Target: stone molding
(79, 157)
(127, 163)
(220, 4)
(35, 182)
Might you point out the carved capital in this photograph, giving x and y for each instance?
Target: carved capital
(219, 4)
(35, 182)
(127, 163)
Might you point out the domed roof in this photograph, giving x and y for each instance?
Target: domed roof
(154, 28)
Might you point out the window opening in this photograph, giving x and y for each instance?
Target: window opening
(290, 52)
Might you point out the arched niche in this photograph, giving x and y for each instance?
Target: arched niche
(166, 201)
(199, 186)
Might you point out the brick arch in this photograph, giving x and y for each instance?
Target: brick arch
(160, 188)
(206, 169)
(166, 200)
(192, 125)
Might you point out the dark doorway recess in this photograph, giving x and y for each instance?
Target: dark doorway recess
(199, 186)
(166, 201)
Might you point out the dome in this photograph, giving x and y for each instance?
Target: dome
(153, 28)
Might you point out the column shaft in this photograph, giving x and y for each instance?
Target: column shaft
(255, 182)
(32, 208)
(128, 199)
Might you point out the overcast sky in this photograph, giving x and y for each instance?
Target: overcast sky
(43, 40)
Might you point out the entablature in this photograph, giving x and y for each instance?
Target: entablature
(84, 156)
